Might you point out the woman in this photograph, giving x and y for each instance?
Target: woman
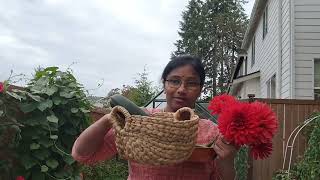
(183, 79)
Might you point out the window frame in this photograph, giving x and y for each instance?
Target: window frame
(253, 51)
(272, 87)
(265, 23)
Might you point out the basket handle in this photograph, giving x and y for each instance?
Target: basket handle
(119, 115)
(183, 113)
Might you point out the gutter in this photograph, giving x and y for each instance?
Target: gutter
(293, 64)
(279, 70)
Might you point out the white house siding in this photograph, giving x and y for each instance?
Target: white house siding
(306, 45)
(251, 86)
(285, 49)
(266, 49)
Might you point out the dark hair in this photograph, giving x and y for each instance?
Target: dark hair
(183, 60)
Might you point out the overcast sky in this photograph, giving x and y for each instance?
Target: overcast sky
(109, 41)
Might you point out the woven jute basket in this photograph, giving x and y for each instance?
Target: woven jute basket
(162, 138)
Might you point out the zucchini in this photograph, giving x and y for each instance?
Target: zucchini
(133, 109)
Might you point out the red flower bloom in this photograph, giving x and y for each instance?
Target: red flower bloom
(261, 151)
(1, 87)
(253, 124)
(266, 123)
(244, 123)
(20, 178)
(219, 103)
(234, 125)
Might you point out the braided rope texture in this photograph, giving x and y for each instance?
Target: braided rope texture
(162, 138)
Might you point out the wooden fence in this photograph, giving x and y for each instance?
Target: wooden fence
(290, 114)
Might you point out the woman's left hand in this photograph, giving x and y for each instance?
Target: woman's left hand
(226, 153)
(224, 150)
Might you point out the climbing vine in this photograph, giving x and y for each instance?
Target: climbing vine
(47, 115)
(308, 167)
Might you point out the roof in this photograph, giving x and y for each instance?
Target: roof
(246, 77)
(236, 70)
(256, 14)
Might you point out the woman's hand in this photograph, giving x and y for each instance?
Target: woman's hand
(224, 150)
(91, 138)
(225, 160)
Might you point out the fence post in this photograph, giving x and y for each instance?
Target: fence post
(250, 160)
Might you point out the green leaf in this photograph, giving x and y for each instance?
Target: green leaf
(28, 107)
(51, 90)
(36, 89)
(46, 142)
(42, 82)
(1, 112)
(74, 110)
(45, 104)
(52, 163)
(64, 101)
(67, 94)
(53, 119)
(54, 137)
(68, 159)
(56, 100)
(36, 175)
(52, 69)
(84, 110)
(36, 120)
(15, 95)
(34, 97)
(41, 154)
(73, 85)
(44, 168)
(34, 146)
(28, 162)
(72, 131)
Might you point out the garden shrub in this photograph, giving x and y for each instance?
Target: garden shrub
(115, 168)
(54, 111)
(308, 168)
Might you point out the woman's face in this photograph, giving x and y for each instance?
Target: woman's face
(182, 88)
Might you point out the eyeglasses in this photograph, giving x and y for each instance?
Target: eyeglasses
(176, 83)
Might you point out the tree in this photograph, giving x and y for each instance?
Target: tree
(213, 31)
(141, 92)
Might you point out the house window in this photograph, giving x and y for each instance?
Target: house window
(271, 87)
(265, 23)
(246, 65)
(317, 79)
(253, 51)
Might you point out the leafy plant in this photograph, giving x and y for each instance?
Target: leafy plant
(241, 163)
(9, 129)
(283, 175)
(111, 169)
(308, 167)
(54, 112)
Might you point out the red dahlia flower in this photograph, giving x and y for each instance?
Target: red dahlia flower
(234, 125)
(252, 124)
(1, 87)
(20, 178)
(264, 120)
(261, 151)
(220, 103)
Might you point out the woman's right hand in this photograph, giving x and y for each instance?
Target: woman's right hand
(92, 138)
